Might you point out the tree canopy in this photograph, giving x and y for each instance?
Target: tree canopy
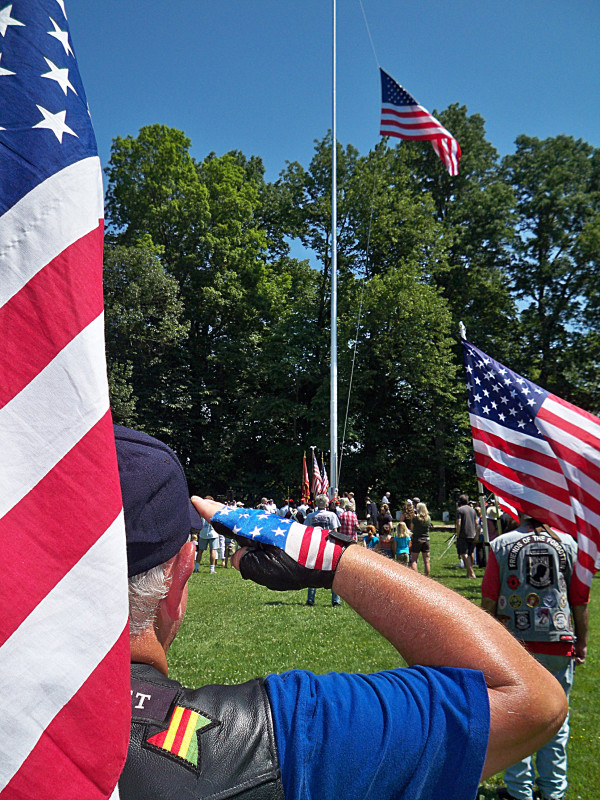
(218, 338)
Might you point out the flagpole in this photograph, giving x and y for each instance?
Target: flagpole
(333, 422)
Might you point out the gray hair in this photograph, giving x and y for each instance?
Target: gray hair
(146, 590)
(321, 501)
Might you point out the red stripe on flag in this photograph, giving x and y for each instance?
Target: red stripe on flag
(525, 478)
(321, 553)
(181, 729)
(581, 433)
(545, 460)
(91, 769)
(586, 415)
(305, 546)
(50, 310)
(532, 509)
(74, 514)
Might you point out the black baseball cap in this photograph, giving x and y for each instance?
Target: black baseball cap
(159, 516)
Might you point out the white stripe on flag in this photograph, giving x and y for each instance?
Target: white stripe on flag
(294, 540)
(38, 681)
(519, 492)
(571, 415)
(54, 215)
(328, 555)
(313, 550)
(519, 464)
(41, 424)
(522, 439)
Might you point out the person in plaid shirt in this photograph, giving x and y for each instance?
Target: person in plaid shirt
(348, 519)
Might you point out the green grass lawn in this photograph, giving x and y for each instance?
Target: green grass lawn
(235, 630)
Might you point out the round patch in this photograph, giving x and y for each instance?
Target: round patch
(513, 582)
(532, 600)
(562, 584)
(549, 600)
(563, 602)
(515, 601)
(502, 602)
(560, 621)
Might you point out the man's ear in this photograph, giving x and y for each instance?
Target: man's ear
(180, 568)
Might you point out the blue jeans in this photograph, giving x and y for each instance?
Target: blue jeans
(551, 760)
(336, 600)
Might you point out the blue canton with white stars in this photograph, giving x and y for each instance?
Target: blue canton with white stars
(255, 524)
(501, 395)
(393, 93)
(44, 119)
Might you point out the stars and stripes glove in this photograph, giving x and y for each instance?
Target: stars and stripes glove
(282, 553)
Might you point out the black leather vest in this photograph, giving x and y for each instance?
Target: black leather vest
(192, 744)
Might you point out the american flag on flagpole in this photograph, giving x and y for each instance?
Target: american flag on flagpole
(64, 645)
(324, 478)
(538, 452)
(315, 484)
(403, 117)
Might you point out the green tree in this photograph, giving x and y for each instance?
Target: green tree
(556, 255)
(144, 337)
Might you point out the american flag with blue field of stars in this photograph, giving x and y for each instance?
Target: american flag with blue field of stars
(538, 452)
(64, 640)
(403, 117)
(310, 546)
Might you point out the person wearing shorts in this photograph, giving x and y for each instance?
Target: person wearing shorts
(208, 538)
(420, 543)
(466, 532)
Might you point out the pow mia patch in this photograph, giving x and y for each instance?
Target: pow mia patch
(522, 620)
(541, 619)
(514, 601)
(532, 600)
(540, 569)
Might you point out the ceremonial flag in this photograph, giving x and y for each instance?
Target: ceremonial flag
(64, 645)
(537, 451)
(403, 117)
(316, 478)
(508, 508)
(305, 482)
(324, 478)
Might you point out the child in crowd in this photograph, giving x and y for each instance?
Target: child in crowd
(384, 546)
(401, 545)
(371, 539)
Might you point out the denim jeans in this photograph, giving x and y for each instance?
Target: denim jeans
(551, 760)
(335, 598)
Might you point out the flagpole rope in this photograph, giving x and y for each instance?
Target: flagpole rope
(369, 33)
(360, 305)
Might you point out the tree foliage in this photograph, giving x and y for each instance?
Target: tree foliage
(218, 339)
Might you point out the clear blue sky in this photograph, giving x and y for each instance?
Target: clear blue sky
(256, 76)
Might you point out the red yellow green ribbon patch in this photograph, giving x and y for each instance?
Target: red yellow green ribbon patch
(179, 738)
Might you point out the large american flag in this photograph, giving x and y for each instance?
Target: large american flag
(538, 452)
(403, 117)
(64, 647)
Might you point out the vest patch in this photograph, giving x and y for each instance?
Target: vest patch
(541, 619)
(532, 600)
(180, 738)
(522, 620)
(540, 569)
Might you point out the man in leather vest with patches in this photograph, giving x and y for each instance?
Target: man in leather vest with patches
(528, 587)
(299, 735)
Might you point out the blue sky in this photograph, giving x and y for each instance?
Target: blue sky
(256, 76)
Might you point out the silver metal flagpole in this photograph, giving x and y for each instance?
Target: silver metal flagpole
(333, 421)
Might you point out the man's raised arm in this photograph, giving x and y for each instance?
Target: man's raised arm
(427, 623)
